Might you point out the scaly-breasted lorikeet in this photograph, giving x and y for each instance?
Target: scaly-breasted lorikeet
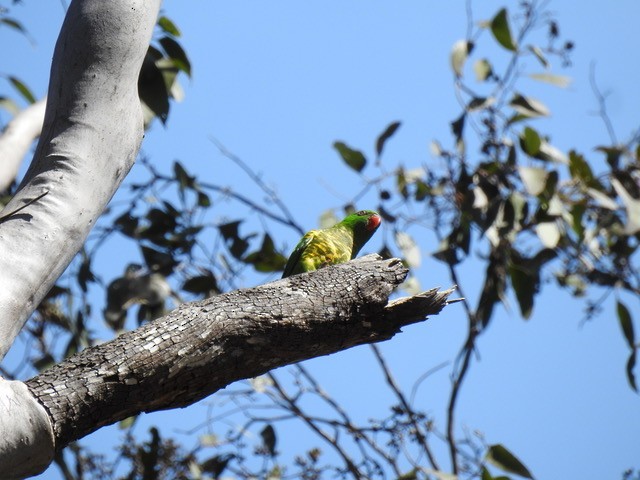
(337, 244)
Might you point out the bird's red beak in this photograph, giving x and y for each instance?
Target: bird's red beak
(374, 222)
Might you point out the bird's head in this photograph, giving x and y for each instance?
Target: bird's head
(364, 224)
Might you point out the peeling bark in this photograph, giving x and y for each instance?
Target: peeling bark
(91, 135)
(202, 347)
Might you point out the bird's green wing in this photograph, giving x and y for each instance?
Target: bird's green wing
(293, 263)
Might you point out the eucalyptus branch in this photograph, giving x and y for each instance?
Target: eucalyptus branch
(271, 194)
(455, 391)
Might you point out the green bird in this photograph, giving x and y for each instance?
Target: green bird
(337, 244)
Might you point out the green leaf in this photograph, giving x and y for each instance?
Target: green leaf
(267, 259)
(261, 383)
(539, 55)
(575, 282)
(158, 261)
(501, 31)
(354, 158)
(328, 219)
(577, 212)
(512, 156)
(127, 422)
(230, 230)
(549, 234)
(409, 248)
(447, 253)
(168, 26)
(624, 317)
(231, 235)
(23, 89)
(485, 474)
(160, 222)
(580, 169)
(529, 107)
(631, 363)
(457, 127)
(184, 179)
(386, 215)
(275, 473)
(613, 155)
(153, 89)
(202, 284)
(493, 289)
(549, 153)
(85, 275)
(11, 23)
(502, 458)
(9, 105)
(534, 179)
(525, 286)
(56, 291)
(422, 190)
(401, 183)
(384, 136)
(217, 464)
(537, 147)
(479, 103)
(411, 286)
(631, 205)
(385, 252)
(177, 54)
(127, 224)
(203, 200)
(520, 208)
(171, 210)
(410, 475)
(459, 53)
(482, 69)
(530, 142)
(44, 362)
(556, 80)
(268, 435)
(209, 440)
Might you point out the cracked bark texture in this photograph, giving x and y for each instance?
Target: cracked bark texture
(204, 346)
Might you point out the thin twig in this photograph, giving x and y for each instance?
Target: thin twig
(422, 440)
(602, 104)
(22, 207)
(467, 350)
(455, 391)
(292, 406)
(273, 196)
(358, 433)
(422, 378)
(253, 205)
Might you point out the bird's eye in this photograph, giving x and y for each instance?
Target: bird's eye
(361, 213)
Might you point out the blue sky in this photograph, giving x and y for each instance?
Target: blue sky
(278, 82)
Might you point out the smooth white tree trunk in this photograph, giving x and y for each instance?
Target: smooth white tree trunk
(91, 135)
(16, 139)
(27, 443)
